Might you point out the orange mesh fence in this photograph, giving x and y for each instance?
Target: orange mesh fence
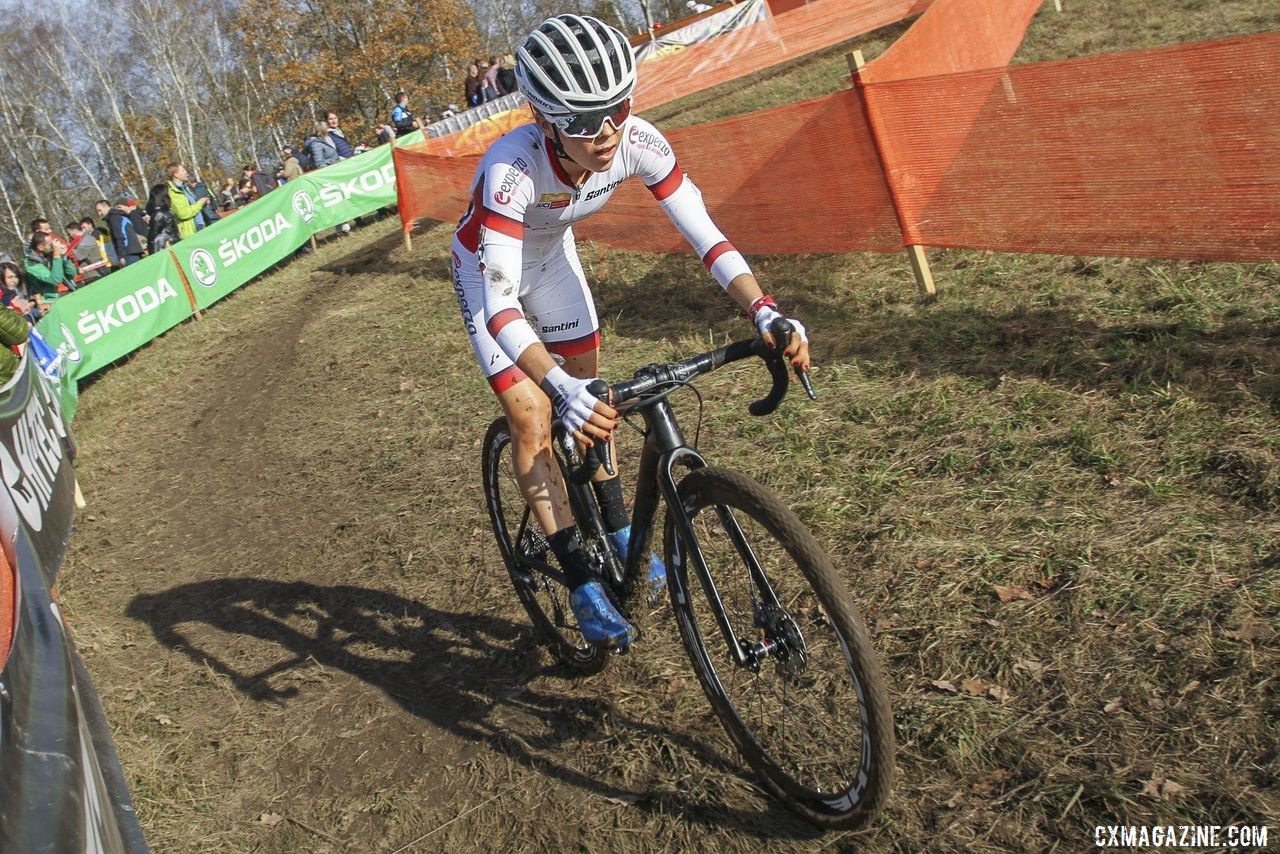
(700, 66)
(952, 36)
(807, 179)
(1162, 153)
(956, 35)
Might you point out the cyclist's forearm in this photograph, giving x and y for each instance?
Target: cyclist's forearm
(744, 290)
(535, 361)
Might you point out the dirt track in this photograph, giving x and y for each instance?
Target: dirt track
(289, 597)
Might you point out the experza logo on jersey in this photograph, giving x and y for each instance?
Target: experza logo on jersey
(510, 181)
(648, 139)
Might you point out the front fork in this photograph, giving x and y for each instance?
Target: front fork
(769, 613)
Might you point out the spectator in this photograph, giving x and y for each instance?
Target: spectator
(321, 148)
(103, 207)
(258, 179)
(490, 88)
(449, 112)
(89, 254)
(39, 225)
(244, 192)
(290, 167)
(184, 209)
(124, 235)
(337, 137)
(49, 272)
(402, 117)
(228, 199)
(507, 75)
(137, 216)
(473, 85)
(197, 189)
(13, 293)
(697, 8)
(163, 230)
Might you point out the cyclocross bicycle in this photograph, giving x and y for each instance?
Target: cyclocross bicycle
(772, 632)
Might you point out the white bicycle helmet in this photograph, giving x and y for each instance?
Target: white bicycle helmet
(573, 64)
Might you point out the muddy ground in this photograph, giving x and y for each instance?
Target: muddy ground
(288, 594)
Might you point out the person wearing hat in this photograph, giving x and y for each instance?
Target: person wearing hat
(290, 167)
(124, 234)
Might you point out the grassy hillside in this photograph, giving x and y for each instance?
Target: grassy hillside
(1060, 479)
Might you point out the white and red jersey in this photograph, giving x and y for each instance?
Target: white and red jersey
(519, 228)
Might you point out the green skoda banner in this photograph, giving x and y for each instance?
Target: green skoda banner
(224, 256)
(348, 189)
(112, 317)
(116, 315)
(233, 250)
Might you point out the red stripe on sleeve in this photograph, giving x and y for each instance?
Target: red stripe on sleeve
(667, 185)
(576, 346)
(501, 319)
(716, 251)
(506, 378)
(502, 223)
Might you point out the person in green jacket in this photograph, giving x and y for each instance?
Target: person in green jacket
(49, 270)
(185, 208)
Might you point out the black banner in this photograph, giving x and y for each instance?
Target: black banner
(61, 786)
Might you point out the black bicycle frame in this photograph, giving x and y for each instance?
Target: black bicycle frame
(664, 449)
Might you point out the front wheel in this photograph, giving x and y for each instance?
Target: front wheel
(780, 650)
(524, 545)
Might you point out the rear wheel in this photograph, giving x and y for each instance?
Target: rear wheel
(522, 543)
(808, 710)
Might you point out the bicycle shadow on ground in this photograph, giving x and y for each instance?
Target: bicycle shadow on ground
(438, 665)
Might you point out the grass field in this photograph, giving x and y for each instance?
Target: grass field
(1053, 492)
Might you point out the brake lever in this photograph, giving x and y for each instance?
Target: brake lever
(598, 454)
(782, 331)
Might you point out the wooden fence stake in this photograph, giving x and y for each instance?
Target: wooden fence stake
(915, 254)
(408, 241)
(313, 243)
(191, 295)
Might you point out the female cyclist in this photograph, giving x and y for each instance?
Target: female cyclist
(524, 297)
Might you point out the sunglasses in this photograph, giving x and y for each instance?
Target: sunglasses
(589, 124)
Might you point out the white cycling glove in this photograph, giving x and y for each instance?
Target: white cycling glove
(764, 312)
(572, 403)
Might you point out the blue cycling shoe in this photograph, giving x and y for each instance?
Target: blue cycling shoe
(657, 578)
(600, 622)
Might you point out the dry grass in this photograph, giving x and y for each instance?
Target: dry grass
(293, 607)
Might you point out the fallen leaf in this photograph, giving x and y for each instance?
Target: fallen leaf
(1113, 705)
(1009, 594)
(675, 686)
(1032, 667)
(627, 800)
(990, 781)
(1162, 788)
(1162, 648)
(926, 563)
(164, 720)
(1228, 581)
(1048, 582)
(407, 385)
(1193, 685)
(944, 685)
(997, 693)
(975, 687)
(270, 819)
(883, 624)
(1252, 630)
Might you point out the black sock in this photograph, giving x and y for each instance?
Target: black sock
(572, 557)
(612, 507)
